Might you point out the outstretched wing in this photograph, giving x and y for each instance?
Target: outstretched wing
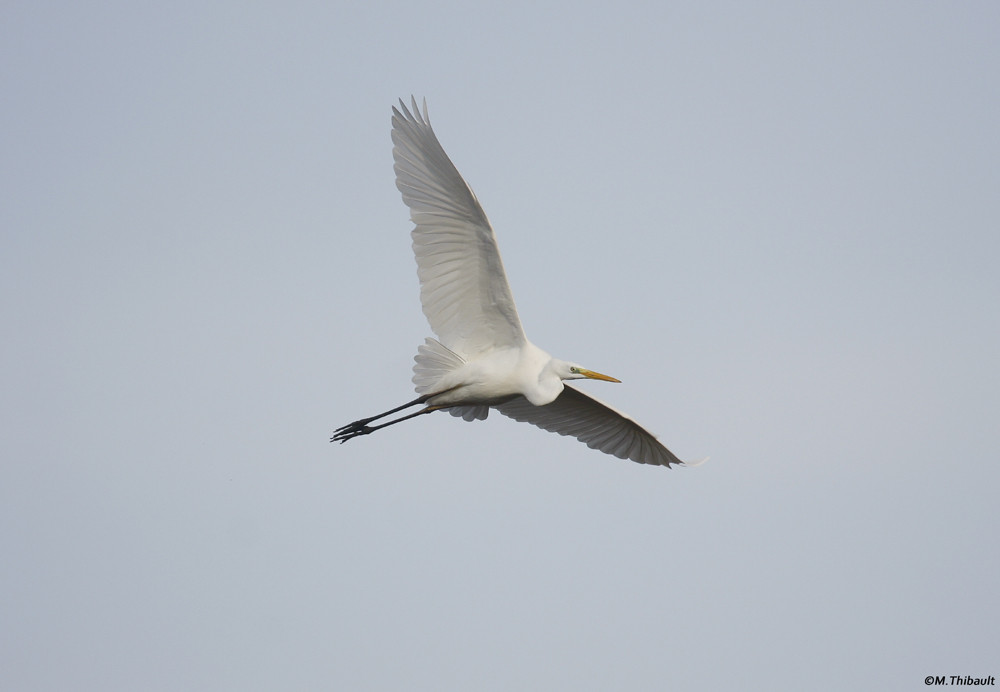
(594, 423)
(463, 286)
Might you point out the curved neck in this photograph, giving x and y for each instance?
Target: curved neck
(550, 383)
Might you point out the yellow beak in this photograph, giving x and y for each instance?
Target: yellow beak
(597, 376)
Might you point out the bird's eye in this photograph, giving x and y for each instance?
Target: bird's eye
(573, 369)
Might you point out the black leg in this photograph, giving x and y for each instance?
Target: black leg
(358, 424)
(361, 427)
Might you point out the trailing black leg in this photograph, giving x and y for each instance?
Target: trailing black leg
(361, 427)
(359, 424)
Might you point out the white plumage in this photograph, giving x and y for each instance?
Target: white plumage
(482, 359)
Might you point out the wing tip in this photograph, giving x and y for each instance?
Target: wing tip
(412, 113)
(693, 464)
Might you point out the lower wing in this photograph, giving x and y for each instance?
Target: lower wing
(594, 423)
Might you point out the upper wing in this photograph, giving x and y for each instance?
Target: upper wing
(463, 286)
(593, 422)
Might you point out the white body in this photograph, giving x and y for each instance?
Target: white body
(499, 375)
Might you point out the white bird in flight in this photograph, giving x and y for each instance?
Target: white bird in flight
(482, 359)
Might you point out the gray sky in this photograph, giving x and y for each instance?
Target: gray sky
(776, 223)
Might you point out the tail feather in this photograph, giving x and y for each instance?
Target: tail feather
(433, 361)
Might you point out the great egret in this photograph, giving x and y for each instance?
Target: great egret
(483, 359)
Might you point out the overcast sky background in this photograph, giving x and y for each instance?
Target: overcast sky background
(777, 223)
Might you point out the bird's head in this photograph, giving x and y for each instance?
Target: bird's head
(572, 371)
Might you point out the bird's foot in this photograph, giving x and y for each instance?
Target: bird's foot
(350, 431)
(356, 425)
